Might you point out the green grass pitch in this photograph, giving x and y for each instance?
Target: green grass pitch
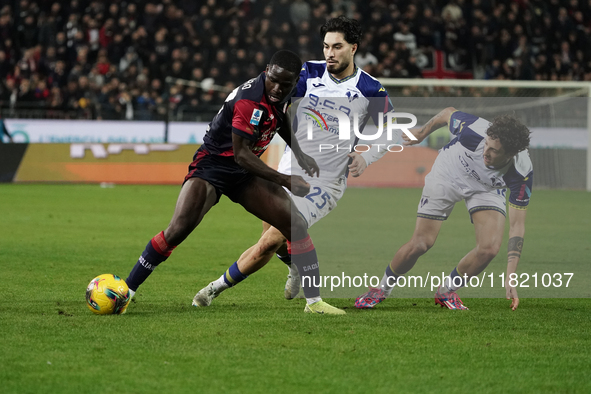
(55, 238)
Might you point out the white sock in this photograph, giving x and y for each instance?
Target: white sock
(313, 300)
(131, 294)
(293, 271)
(220, 284)
(387, 284)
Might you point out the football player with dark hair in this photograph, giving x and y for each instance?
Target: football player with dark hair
(229, 163)
(477, 167)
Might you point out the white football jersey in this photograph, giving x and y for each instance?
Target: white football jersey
(359, 93)
(462, 162)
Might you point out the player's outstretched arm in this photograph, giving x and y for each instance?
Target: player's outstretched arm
(307, 163)
(514, 247)
(435, 123)
(249, 161)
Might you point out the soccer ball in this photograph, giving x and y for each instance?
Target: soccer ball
(107, 294)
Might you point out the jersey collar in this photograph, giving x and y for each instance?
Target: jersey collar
(338, 81)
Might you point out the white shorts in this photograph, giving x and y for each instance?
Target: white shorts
(319, 202)
(322, 197)
(441, 194)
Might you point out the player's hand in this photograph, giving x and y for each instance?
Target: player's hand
(298, 186)
(357, 164)
(416, 131)
(309, 165)
(511, 294)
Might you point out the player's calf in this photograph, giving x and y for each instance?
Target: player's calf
(156, 252)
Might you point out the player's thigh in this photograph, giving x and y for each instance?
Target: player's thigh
(196, 198)
(426, 231)
(489, 226)
(269, 202)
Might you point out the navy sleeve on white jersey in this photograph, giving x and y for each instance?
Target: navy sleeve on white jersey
(309, 70)
(301, 86)
(519, 180)
(458, 120)
(379, 101)
(469, 129)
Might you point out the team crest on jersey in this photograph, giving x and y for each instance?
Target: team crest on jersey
(256, 117)
(351, 96)
(496, 181)
(456, 123)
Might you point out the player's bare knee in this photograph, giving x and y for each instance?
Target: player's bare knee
(420, 246)
(487, 252)
(299, 228)
(271, 241)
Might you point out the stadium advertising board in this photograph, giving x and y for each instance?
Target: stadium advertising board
(119, 163)
(186, 132)
(66, 131)
(108, 163)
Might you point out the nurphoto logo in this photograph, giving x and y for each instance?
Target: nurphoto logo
(314, 117)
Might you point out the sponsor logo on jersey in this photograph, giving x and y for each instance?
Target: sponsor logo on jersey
(317, 85)
(256, 117)
(318, 118)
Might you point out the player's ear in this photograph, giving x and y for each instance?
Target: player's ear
(267, 69)
(354, 48)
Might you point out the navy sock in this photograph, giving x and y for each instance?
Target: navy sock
(233, 276)
(286, 259)
(156, 251)
(304, 257)
(388, 280)
(452, 284)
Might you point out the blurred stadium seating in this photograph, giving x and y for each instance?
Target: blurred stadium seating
(109, 59)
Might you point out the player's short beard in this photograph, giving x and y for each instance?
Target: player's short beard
(338, 69)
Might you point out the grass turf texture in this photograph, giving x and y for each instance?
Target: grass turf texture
(55, 238)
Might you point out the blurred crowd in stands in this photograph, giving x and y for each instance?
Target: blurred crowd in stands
(110, 59)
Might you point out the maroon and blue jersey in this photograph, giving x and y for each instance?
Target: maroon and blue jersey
(248, 114)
